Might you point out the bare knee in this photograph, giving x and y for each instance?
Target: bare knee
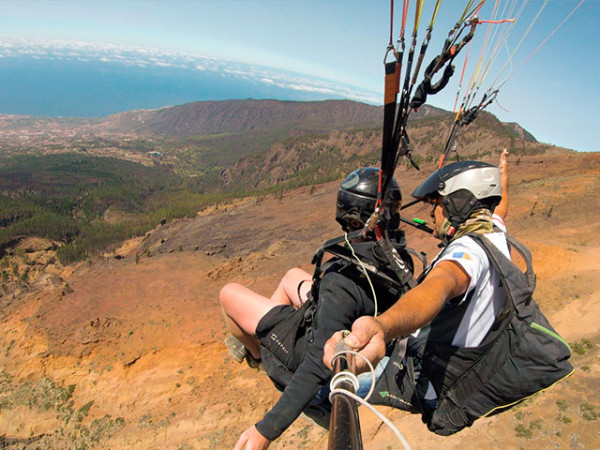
(243, 306)
(229, 294)
(294, 276)
(289, 287)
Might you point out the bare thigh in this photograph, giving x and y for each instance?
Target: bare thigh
(296, 282)
(244, 306)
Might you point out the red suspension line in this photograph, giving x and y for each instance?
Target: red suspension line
(496, 21)
(404, 16)
(462, 75)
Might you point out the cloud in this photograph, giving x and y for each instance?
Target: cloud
(144, 57)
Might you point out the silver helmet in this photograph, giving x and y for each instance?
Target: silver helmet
(463, 186)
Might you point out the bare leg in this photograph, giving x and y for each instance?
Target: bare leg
(251, 343)
(243, 309)
(287, 290)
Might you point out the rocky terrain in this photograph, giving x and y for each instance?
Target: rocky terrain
(127, 350)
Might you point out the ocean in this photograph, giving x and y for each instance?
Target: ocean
(74, 88)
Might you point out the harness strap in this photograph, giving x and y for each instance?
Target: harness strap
(495, 256)
(421, 256)
(396, 262)
(388, 150)
(333, 246)
(526, 254)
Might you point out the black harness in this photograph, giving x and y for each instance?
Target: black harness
(387, 260)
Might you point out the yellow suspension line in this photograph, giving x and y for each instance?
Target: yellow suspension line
(418, 12)
(435, 11)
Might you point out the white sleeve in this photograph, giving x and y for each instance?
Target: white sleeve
(466, 253)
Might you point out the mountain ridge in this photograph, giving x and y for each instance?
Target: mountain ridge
(249, 115)
(207, 152)
(215, 141)
(210, 117)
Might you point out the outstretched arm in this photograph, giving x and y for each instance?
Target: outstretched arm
(502, 208)
(414, 310)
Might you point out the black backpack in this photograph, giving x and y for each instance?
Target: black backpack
(521, 355)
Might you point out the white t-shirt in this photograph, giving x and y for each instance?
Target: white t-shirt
(485, 300)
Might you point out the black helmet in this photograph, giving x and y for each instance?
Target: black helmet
(463, 186)
(357, 197)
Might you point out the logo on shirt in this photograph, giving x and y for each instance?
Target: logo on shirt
(462, 255)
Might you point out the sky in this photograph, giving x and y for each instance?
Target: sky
(340, 45)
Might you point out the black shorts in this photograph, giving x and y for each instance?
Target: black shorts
(272, 318)
(282, 334)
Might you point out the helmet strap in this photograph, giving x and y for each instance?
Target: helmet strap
(451, 231)
(447, 230)
(458, 210)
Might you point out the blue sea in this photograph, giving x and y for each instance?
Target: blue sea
(71, 88)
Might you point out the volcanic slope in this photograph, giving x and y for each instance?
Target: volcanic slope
(127, 351)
